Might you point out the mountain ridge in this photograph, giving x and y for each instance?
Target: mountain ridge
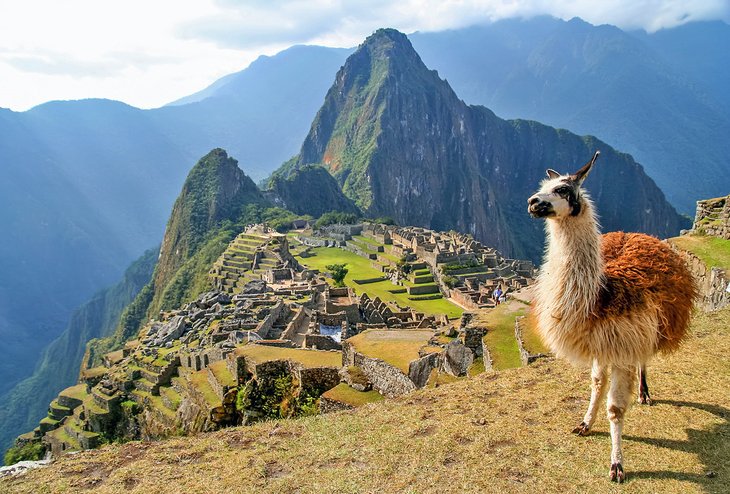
(402, 144)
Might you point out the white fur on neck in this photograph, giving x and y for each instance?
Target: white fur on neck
(570, 278)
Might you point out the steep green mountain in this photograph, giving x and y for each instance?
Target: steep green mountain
(215, 190)
(216, 200)
(661, 97)
(58, 368)
(308, 190)
(402, 144)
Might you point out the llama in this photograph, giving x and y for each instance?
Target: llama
(606, 301)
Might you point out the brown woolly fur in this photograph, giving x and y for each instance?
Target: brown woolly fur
(641, 270)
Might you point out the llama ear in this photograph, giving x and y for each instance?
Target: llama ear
(581, 174)
(552, 173)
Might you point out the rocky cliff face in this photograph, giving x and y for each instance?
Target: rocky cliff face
(402, 144)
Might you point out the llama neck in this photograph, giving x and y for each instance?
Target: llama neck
(572, 274)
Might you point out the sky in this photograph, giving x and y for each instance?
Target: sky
(150, 52)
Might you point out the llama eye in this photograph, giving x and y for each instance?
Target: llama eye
(562, 190)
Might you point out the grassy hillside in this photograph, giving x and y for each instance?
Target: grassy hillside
(499, 432)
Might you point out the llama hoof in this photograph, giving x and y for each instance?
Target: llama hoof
(617, 473)
(645, 400)
(582, 429)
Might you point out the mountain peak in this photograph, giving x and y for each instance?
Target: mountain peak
(386, 45)
(386, 36)
(216, 190)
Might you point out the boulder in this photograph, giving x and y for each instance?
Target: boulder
(196, 315)
(457, 358)
(172, 330)
(254, 287)
(420, 370)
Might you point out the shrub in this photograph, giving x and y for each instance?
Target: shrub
(338, 273)
(335, 217)
(27, 452)
(450, 281)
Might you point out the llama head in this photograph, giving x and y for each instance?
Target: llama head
(560, 196)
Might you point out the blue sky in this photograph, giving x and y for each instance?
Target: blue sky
(147, 53)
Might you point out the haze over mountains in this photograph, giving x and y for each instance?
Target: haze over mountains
(88, 185)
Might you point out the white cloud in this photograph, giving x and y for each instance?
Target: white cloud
(148, 53)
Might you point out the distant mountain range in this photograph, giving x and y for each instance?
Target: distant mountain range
(87, 185)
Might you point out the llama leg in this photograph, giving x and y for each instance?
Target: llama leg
(598, 392)
(644, 397)
(619, 399)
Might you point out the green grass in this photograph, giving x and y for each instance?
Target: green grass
(199, 379)
(360, 268)
(222, 374)
(477, 367)
(500, 337)
(172, 395)
(398, 348)
(530, 338)
(345, 394)
(78, 392)
(713, 251)
(308, 358)
(367, 240)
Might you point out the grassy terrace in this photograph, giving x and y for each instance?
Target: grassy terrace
(397, 348)
(500, 338)
(713, 251)
(94, 372)
(530, 338)
(308, 358)
(171, 395)
(61, 435)
(199, 379)
(360, 268)
(78, 392)
(367, 240)
(345, 394)
(222, 374)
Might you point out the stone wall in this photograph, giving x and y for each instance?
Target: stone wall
(265, 327)
(713, 217)
(327, 405)
(712, 283)
(296, 325)
(526, 357)
(385, 378)
(320, 342)
(317, 380)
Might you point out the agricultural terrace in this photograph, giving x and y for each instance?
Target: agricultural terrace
(398, 348)
(713, 251)
(360, 268)
(500, 339)
(345, 394)
(308, 358)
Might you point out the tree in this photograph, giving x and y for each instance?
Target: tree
(338, 272)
